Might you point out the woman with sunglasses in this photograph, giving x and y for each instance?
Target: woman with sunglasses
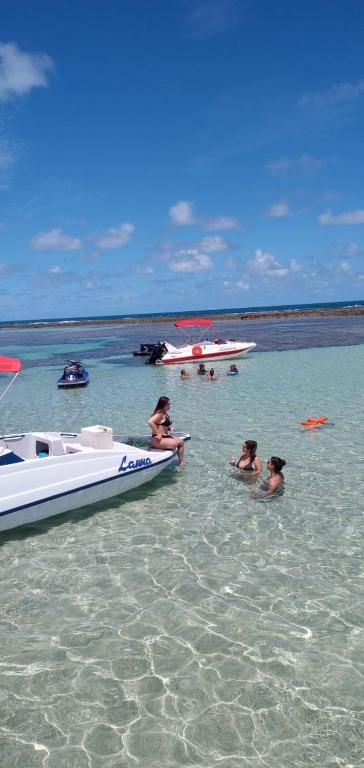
(249, 461)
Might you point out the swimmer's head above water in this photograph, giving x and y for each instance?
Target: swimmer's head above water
(251, 447)
(275, 464)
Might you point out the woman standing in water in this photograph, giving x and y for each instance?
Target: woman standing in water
(275, 482)
(211, 375)
(160, 424)
(249, 461)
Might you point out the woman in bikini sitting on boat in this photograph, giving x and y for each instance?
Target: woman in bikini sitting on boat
(160, 424)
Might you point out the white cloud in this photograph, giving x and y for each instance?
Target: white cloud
(345, 249)
(20, 71)
(181, 214)
(279, 210)
(266, 264)
(214, 244)
(190, 260)
(145, 270)
(211, 17)
(55, 240)
(305, 164)
(220, 223)
(345, 266)
(353, 249)
(336, 94)
(115, 237)
(350, 217)
(56, 277)
(294, 265)
(243, 285)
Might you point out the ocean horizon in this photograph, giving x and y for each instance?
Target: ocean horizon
(189, 313)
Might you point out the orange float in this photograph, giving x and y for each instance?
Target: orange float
(314, 422)
(197, 350)
(318, 420)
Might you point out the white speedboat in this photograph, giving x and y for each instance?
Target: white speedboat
(200, 350)
(43, 474)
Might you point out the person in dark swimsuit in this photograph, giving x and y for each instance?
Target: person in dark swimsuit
(160, 424)
(211, 375)
(201, 370)
(249, 461)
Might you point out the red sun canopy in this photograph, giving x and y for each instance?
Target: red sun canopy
(193, 321)
(10, 365)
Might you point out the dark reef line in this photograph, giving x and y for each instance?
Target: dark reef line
(299, 314)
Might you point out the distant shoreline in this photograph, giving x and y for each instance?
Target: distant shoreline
(297, 314)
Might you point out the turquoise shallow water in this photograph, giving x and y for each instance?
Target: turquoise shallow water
(185, 623)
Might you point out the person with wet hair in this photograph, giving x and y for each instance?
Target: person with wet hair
(201, 370)
(274, 484)
(184, 374)
(211, 375)
(160, 424)
(249, 461)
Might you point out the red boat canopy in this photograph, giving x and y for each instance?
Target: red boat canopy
(192, 321)
(9, 365)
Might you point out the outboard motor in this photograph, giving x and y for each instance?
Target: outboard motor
(159, 350)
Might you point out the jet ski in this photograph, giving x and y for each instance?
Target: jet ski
(74, 375)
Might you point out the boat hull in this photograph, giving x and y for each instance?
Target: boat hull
(210, 353)
(75, 498)
(35, 489)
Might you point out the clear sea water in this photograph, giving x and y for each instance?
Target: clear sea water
(185, 623)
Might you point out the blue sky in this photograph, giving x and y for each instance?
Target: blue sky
(169, 156)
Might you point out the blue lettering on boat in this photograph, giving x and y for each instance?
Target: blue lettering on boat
(137, 464)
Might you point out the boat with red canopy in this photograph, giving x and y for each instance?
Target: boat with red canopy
(199, 349)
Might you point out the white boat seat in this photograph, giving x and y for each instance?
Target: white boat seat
(56, 447)
(77, 448)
